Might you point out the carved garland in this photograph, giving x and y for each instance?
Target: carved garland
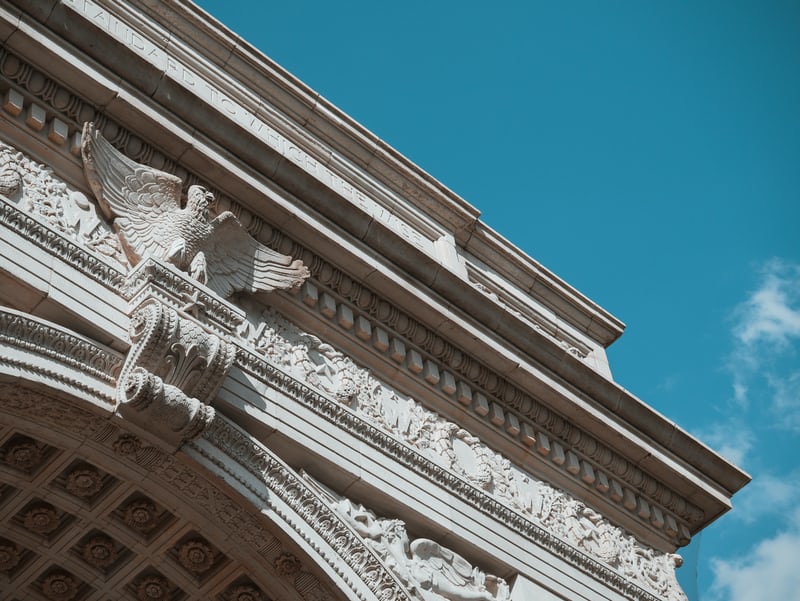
(359, 298)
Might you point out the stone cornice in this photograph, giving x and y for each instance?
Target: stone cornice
(327, 139)
(608, 393)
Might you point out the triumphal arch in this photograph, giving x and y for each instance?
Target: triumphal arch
(250, 352)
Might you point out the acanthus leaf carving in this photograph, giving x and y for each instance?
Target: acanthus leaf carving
(171, 374)
(35, 189)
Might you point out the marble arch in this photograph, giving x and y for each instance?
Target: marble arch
(430, 416)
(95, 509)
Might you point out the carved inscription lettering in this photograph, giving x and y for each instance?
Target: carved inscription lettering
(233, 110)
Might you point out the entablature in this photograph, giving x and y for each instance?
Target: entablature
(505, 385)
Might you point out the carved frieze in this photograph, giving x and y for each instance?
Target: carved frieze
(451, 447)
(38, 191)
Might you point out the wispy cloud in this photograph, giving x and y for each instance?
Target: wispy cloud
(768, 495)
(766, 332)
(767, 571)
(731, 438)
(771, 314)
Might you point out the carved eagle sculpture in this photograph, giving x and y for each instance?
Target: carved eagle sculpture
(144, 206)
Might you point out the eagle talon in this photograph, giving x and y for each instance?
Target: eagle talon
(198, 268)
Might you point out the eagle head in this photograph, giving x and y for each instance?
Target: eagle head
(198, 200)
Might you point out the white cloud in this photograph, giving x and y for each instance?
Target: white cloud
(786, 399)
(766, 334)
(732, 439)
(771, 315)
(767, 495)
(768, 571)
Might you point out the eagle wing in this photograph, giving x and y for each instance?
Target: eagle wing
(237, 262)
(135, 197)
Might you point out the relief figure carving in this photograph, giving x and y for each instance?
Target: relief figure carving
(144, 205)
(429, 570)
(35, 189)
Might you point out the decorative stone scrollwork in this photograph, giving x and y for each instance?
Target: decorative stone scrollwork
(171, 374)
(36, 189)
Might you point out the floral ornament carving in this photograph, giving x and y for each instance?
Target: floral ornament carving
(37, 191)
(171, 374)
(196, 556)
(100, 552)
(127, 444)
(288, 565)
(245, 592)
(60, 586)
(84, 482)
(152, 588)
(23, 455)
(42, 519)
(10, 178)
(10, 557)
(452, 447)
(305, 356)
(141, 515)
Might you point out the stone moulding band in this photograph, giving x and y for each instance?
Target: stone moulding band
(90, 362)
(297, 495)
(560, 440)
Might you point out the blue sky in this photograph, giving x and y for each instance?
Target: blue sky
(647, 153)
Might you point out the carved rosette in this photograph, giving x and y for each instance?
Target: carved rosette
(171, 374)
(152, 588)
(142, 516)
(60, 586)
(42, 519)
(196, 556)
(100, 552)
(84, 482)
(10, 557)
(245, 592)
